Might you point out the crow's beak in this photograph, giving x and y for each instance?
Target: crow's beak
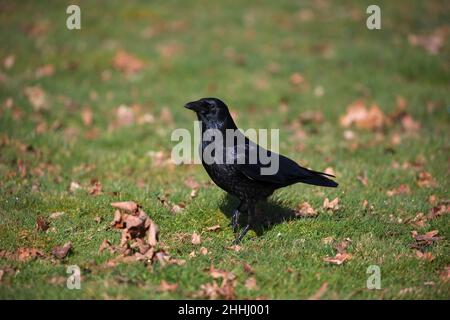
(194, 105)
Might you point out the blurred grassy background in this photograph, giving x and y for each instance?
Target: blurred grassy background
(250, 54)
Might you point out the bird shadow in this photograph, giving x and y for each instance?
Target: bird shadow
(268, 213)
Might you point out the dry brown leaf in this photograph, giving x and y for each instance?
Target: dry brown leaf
(331, 205)
(329, 171)
(427, 256)
(42, 224)
(191, 183)
(445, 275)
(127, 62)
(248, 268)
(9, 61)
(56, 215)
(26, 254)
(37, 97)
(167, 287)
(177, 208)
(62, 252)
(106, 245)
(363, 117)
(342, 246)
(213, 228)
(87, 116)
(219, 273)
(74, 186)
(426, 180)
(203, 251)
(432, 43)
(305, 210)
(45, 71)
(153, 234)
(320, 292)
(96, 188)
(128, 206)
(409, 124)
(339, 259)
(401, 189)
(438, 211)
(124, 116)
(235, 247)
(363, 179)
(296, 79)
(196, 239)
(251, 284)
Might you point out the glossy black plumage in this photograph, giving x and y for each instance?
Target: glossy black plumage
(243, 178)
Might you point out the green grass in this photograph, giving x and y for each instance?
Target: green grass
(376, 66)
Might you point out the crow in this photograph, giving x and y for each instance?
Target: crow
(235, 163)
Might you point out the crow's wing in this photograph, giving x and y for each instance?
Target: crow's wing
(287, 171)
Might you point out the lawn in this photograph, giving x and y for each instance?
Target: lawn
(86, 118)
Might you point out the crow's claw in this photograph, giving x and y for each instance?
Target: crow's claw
(241, 235)
(235, 220)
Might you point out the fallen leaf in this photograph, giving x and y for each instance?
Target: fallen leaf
(106, 245)
(248, 268)
(37, 97)
(153, 234)
(219, 273)
(8, 62)
(331, 205)
(409, 124)
(401, 189)
(26, 254)
(87, 116)
(56, 215)
(438, 211)
(426, 180)
(339, 259)
(363, 179)
(128, 206)
(445, 275)
(45, 71)
(41, 224)
(363, 117)
(195, 238)
(329, 171)
(127, 62)
(342, 246)
(213, 228)
(177, 208)
(320, 292)
(74, 186)
(305, 210)
(427, 256)
(296, 79)
(432, 43)
(62, 252)
(124, 116)
(251, 284)
(203, 251)
(96, 188)
(191, 183)
(167, 287)
(235, 247)
(425, 239)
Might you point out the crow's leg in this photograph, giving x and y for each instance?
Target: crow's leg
(250, 218)
(236, 214)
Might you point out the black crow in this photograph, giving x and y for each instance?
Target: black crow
(243, 176)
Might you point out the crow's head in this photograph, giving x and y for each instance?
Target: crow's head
(209, 109)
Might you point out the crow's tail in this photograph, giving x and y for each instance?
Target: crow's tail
(318, 179)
